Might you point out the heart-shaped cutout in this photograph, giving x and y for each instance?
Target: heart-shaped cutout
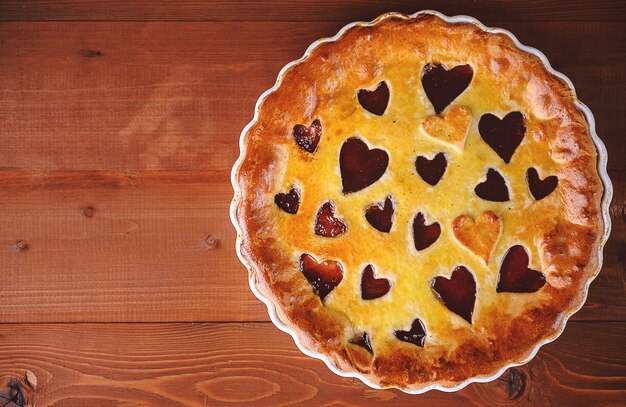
(289, 202)
(451, 129)
(372, 287)
(503, 136)
(360, 167)
(375, 101)
(458, 293)
(516, 276)
(424, 235)
(442, 86)
(323, 277)
(326, 224)
(308, 137)
(493, 188)
(478, 236)
(381, 216)
(363, 340)
(416, 335)
(540, 188)
(431, 170)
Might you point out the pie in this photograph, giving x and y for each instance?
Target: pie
(420, 202)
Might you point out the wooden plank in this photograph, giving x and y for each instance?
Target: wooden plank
(175, 96)
(123, 246)
(324, 10)
(132, 246)
(218, 364)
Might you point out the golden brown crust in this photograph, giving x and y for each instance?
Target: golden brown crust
(562, 232)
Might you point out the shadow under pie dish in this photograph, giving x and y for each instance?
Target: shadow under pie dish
(421, 201)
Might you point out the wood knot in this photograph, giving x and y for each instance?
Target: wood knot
(20, 246)
(210, 242)
(90, 53)
(88, 211)
(13, 395)
(515, 380)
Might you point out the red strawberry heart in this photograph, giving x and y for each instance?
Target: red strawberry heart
(324, 276)
(443, 86)
(424, 235)
(503, 136)
(431, 170)
(458, 293)
(326, 224)
(289, 202)
(416, 335)
(372, 287)
(360, 167)
(515, 276)
(363, 341)
(308, 137)
(375, 101)
(540, 188)
(381, 216)
(493, 188)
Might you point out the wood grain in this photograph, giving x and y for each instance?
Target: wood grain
(316, 10)
(255, 364)
(175, 96)
(120, 246)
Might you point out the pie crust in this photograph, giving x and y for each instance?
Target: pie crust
(293, 147)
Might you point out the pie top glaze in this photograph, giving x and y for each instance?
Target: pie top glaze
(420, 202)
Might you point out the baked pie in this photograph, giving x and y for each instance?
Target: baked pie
(420, 202)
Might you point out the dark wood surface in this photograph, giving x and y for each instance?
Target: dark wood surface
(118, 128)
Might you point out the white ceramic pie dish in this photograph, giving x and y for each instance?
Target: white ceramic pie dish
(601, 165)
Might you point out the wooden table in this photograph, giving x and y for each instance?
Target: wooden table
(118, 128)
